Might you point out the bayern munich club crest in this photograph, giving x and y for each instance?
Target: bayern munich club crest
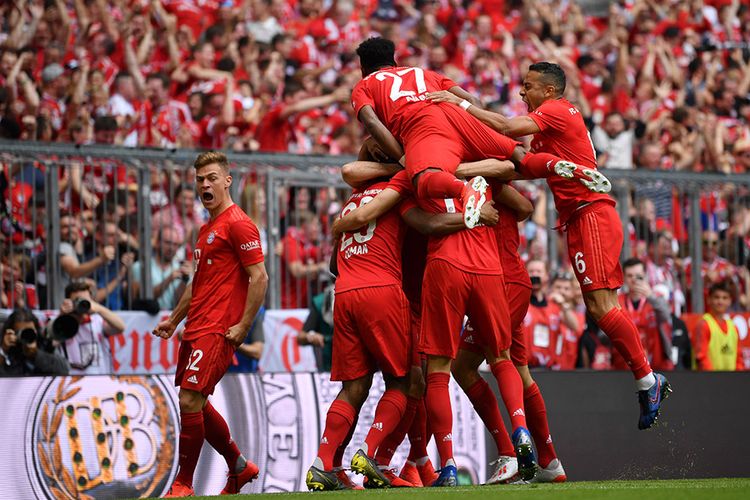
(101, 437)
(211, 237)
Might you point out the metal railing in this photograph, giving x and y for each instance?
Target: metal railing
(145, 194)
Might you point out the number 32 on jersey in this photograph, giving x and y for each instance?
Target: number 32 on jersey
(356, 243)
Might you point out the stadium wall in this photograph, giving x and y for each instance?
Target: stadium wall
(593, 420)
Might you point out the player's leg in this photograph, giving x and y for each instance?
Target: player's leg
(543, 165)
(340, 420)
(391, 443)
(201, 365)
(192, 435)
(386, 336)
(595, 240)
(445, 295)
(550, 468)
(465, 371)
(490, 314)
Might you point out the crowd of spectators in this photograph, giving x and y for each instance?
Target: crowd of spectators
(662, 86)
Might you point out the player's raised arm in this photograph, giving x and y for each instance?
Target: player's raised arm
(513, 127)
(359, 173)
(380, 133)
(364, 214)
(499, 169)
(509, 197)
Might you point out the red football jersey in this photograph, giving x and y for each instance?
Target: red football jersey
(541, 329)
(508, 241)
(397, 95)
(474, 250)
(371, 256)
(225, 246)
(564, 134)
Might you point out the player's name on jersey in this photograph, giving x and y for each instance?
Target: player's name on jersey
(356, 250)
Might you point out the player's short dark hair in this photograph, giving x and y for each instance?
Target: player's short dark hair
(632, 262)
(76, 286)
(210, 157)
(721, 286)
(552, 74)
(375, 53)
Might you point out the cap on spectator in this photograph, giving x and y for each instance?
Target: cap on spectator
(51, 72)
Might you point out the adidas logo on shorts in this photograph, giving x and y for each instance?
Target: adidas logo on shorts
(469, 339)
(448, 437)
(193, 379)
(324, 440)
(586, 281)
(378, 426)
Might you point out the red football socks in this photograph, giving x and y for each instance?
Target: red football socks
(192, 434)
(485, 404)
(536, 416)
(624, 336)
(511, 389)
(339, 421)
(538, 165)
(338, 457)
(388, 414)
(391, 443)
(440, 414)
(218, 436)
(439, 185)
(418, 433)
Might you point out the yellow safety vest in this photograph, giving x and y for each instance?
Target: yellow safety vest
(722, 348)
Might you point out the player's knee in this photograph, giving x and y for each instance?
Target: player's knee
(598, 304)
(355, 392)
(191, 401)
(526, 378)
(464, 372)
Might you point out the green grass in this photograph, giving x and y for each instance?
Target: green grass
(687, 489)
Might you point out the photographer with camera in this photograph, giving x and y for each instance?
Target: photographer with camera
(22, 349)
(86, 347)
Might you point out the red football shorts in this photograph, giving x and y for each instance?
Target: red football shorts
(371, 332)
(520, 295)
(446, 135)
(594, 245)
(450, 293)
(202, 362)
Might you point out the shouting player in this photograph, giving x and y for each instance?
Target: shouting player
(594, 230)
(220, 303)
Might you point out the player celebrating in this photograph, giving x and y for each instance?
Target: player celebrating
(369, 265)
(391, 102)
(220, 303)
(594, 230)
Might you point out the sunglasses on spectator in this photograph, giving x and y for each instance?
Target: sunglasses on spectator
(710, 243)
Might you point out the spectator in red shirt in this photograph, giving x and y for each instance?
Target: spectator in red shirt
(275, 129)
(301, 261)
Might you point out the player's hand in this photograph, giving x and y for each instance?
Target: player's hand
(557, 298)
(165, 329)
(444, 96)
(236, 335)
(488, 215)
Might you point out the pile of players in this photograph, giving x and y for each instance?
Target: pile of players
(419, 249)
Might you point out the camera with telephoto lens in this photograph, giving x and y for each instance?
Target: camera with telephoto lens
(81, 306)
(28, 336)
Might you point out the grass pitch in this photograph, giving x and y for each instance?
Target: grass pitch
(682, 489)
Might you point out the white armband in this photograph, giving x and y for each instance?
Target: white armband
(465, 104)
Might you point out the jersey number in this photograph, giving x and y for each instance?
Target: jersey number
(358, 237)
(196, 355)
(396, 92)
(579, 262)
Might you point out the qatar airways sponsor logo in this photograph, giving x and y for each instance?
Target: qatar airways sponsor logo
(356, 250)
(250, 245)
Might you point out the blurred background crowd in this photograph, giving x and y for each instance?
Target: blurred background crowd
(663, 86)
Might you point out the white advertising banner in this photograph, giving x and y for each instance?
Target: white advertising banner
(116, 436)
